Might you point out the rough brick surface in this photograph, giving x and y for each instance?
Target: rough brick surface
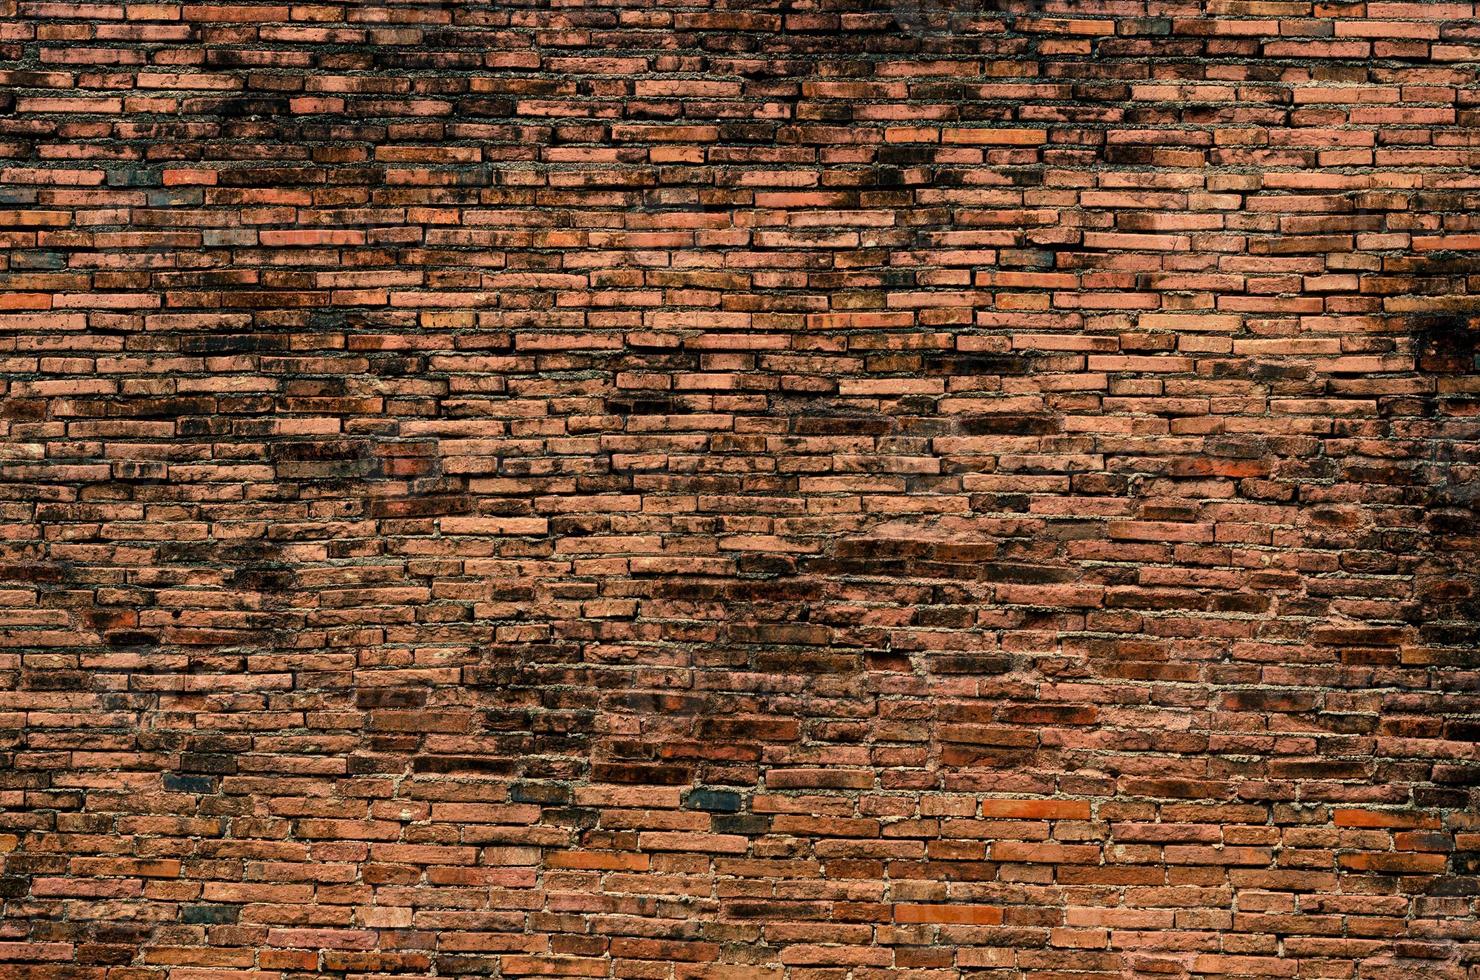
(761, 490)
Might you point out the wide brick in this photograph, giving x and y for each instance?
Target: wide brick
(985, 915)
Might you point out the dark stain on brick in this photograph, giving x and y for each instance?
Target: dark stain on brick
(213, 915)
(965, 365)
(647, 406)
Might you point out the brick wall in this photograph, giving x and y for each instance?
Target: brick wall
(761, 490)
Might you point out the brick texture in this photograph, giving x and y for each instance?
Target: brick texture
(739, 490)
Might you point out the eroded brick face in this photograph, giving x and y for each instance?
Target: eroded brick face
(750, 491)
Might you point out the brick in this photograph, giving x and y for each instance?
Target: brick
(984, 915)
(1036, 809)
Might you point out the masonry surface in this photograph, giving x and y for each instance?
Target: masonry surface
(796, 490)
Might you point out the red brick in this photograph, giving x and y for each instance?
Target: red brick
(983, 915)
